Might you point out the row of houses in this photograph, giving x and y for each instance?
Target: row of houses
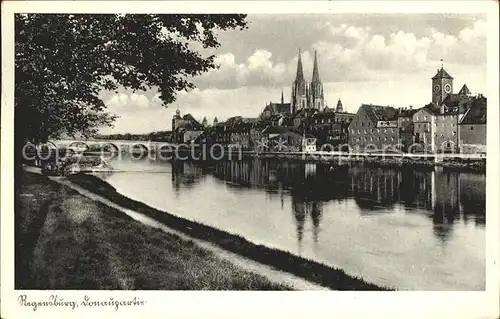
(450, 123)
(304, 130)
(246, 134)
(373, 127)
(458, 125)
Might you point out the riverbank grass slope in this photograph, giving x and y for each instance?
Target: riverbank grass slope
(67, 241)
(310, 270)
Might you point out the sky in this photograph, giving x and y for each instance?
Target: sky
(385, 59)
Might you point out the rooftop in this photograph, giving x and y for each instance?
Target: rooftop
(250, 119)
(464, 90)
(407, 112)
(380, 113)
(433, 109)
(456, 103)
(306, 112)
(276, 108)
(476, 113)
(272, 129)
(323, 115)
(286, 133)
(189, 117)
(442, 74)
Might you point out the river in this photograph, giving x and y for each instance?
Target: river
(413, 230)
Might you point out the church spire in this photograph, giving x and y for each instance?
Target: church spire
(340, 108)
(282, 99)
(300, 72)
(315, 77)
(316, 98)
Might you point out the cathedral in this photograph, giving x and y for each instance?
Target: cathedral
(305, 95)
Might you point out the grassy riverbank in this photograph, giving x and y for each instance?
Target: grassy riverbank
(67, 241)
(336, 279)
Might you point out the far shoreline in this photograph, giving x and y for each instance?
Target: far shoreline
(395, 160)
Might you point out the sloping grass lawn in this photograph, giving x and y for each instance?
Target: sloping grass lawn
(67, 241)
(308, 269)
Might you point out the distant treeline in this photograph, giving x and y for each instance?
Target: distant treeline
(160, 136)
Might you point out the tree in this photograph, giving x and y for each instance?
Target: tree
(63, 62)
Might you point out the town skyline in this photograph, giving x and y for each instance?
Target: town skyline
(350, 49)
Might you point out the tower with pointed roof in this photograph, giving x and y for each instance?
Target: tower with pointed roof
(299, 88)
(442, 85)
(340, 108)
(216, 121)
(204, 121)
(316, 98)
(464, 91)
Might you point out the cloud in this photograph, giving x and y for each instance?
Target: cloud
(349, 31)
(247, 102)
(402, 90)
(258, 70)
(477, 32)
(349, 52)
(139, 100)
(380, 59)
(117, 101)
(401, 51)
(468, 47)
(130, 102)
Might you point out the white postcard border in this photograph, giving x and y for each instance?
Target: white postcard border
(250, 304)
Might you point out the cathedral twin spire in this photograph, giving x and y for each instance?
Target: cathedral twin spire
(300, 72)
(315, 77)
(304, 95)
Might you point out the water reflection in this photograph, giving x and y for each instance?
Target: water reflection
(419, 229)
(472, 198)
(303, 209)
(444, 196)
(374, 190)
(185, 175)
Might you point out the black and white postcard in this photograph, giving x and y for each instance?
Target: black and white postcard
(344, 150)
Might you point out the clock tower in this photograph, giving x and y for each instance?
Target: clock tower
(442, 85)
